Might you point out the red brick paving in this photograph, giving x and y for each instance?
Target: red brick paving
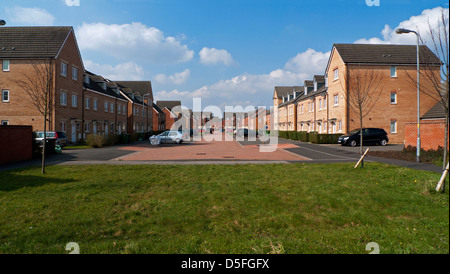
(203, 150)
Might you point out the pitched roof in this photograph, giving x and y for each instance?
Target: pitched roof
(284, 91)
(142, 87)
(157, 108)
(168, 104)
(437, 111)
(385, 54)
(93, 85)
(32, 42)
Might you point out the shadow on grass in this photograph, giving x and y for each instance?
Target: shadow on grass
(12, 182)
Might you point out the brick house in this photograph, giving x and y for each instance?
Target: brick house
(104, 108)
(327, 108)
(432, 130)
(170, 116)
(140, 104)
(21, 49)
(159, 119)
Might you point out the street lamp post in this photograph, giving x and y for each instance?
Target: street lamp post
(402, 31)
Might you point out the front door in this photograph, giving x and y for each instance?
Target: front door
(74, 133)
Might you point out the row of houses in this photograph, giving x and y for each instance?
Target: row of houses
(324, 103)
(81, 102)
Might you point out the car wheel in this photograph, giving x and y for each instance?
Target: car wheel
(178, 141)
(383, 142)
(353, 143)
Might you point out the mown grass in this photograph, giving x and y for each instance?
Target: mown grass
(297, 208)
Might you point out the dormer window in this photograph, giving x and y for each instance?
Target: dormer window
(326, 80)
(315, 86)
(306, 90)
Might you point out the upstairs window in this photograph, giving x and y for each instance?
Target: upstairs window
(63, 69)
(336, 100)
(393, 98)
(95, 104)
(393, 126)
(112, 108)
(88, 103)
(336, 74)
(63, 99)
(5, 96)
(393, 71)
(74, 73)
(106, 106)
(74, 101)
(5, 66)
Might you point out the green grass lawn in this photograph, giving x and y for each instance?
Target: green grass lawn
(297, 208)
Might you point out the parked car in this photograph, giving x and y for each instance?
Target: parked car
(59, 137)
(170, 137)
(245, 132)
(371, 136)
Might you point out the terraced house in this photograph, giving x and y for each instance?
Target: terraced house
(81, 102)
(22, 51)
(325, 106)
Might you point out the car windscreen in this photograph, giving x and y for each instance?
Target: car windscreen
(354, 131)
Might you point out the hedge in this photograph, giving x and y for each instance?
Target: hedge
(313, 137)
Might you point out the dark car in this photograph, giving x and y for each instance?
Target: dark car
(371, 136)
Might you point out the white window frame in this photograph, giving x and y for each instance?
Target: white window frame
(75, 73)
(63, 98)
(106, 106)
(63, 126)
(320, 104)
(5, 91)
(74, 100)
(340, 126)
(119, 109)
(393, 69)
(88, 103)
(336, 100)
(394, 123)
(111, 108)
(64, 67)
(395, 98)
(336, 74)
(6, 65)
(95, 105)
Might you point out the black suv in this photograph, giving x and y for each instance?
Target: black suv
(371, 136)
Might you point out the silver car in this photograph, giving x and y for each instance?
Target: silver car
(169, 137)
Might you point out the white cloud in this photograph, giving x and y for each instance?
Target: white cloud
(417, 23)
(254, 89)
(125, 71)
(30, 16)
(177, 78)
(212, 56)
(133, 42)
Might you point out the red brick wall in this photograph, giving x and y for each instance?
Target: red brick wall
(17, 144)
(431, 134)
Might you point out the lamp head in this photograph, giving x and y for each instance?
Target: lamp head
(402, 30)
(2, 22)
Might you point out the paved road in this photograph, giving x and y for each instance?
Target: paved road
(315, 153)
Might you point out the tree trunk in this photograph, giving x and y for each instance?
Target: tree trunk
(43, 146)
(445, 147)
(361, 139)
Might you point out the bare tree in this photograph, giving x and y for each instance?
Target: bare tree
(437, 80)
(363, 91)
(39, 86)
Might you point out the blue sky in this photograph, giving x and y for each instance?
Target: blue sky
(227, 52)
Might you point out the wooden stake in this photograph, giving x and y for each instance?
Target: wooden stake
(442, 180)
(362, 157)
